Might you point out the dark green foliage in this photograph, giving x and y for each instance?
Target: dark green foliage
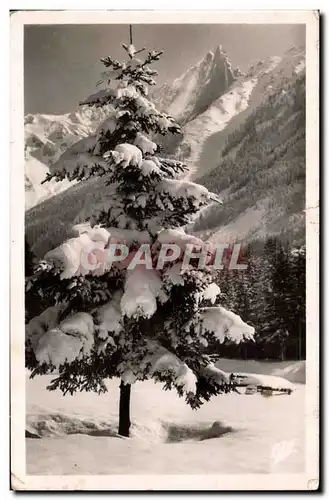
(30, 259)
(269, 295)
(32, 302)
(86, 374)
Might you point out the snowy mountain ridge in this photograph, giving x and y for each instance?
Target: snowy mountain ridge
(210, 99)
(196, 89)
(46, 138)
(205, 135)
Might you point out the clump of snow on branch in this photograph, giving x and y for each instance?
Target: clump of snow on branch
(163, 361)
(142, 289)
(95, 233)
(107, 127)
(212, 372)
(149, 167)
(129, 92)
(56, 348)
(79, 160)
(147, 146)
(109, 321)
(186, 189)
(127, 154)
(39, 325)
(71, 256)
(80, 324)
(145, 107)
(210, 293)
(179, 238)
(173, 275)
(112, 234)
(225, 325)
(80, 165)
(70, 340)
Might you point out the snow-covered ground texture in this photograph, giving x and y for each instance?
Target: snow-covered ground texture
(233, 433)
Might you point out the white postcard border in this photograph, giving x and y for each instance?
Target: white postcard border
(20, 480)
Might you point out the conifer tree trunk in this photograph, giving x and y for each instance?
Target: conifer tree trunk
(124, 409)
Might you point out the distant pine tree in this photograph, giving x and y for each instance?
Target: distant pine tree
(270, 296)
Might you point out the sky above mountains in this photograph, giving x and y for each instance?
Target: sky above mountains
(62, 62)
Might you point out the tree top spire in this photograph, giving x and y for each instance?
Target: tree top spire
(130, 49)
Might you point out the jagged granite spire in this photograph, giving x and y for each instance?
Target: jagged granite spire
(198, 87)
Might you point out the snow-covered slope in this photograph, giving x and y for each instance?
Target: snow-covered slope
(35, 173)
(46, 138)
(216, 118)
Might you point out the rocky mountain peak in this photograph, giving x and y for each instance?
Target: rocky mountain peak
(194, 91)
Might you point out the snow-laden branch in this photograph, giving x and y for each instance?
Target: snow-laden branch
(186, 189)
(210, 293)
(146, 146)
(72, 257)
(215, 374)
(109, 318)
(163, 362)
(100, 98)
(78, 167)
(72, 338)
(143, 287)
(39, 325)
(179, 238)
(224, 325)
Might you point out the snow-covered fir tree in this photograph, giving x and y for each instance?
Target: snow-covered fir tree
(103, 319)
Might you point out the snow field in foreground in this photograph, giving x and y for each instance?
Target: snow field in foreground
(255, 434)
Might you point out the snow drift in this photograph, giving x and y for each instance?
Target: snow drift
(292, 371)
